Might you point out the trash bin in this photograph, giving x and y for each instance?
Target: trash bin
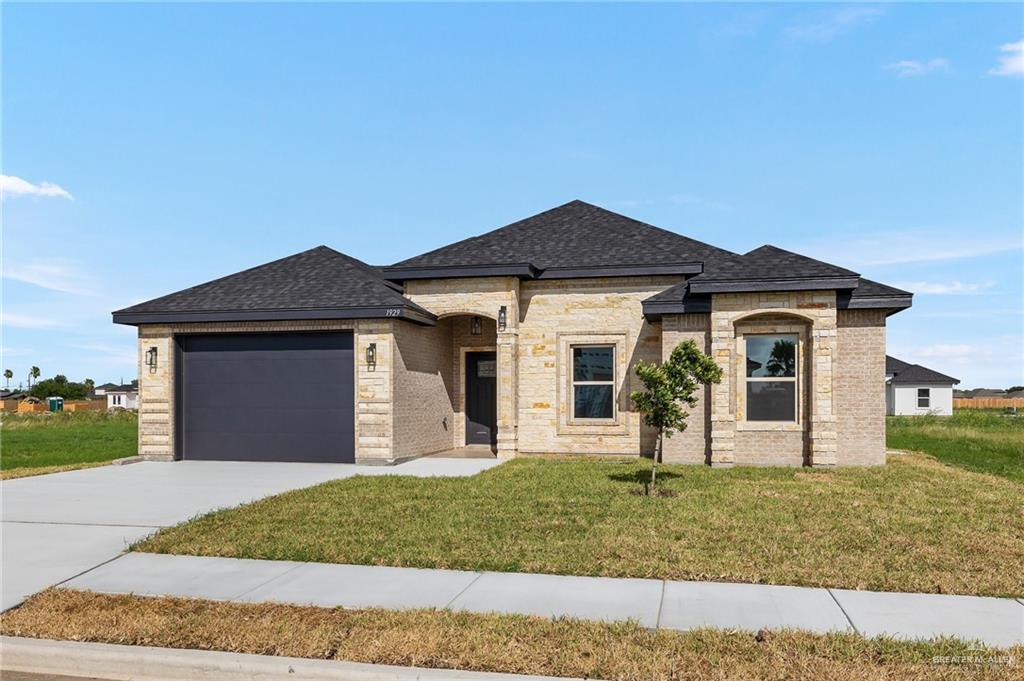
(55, 403)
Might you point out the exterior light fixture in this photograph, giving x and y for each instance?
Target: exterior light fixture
(474, 326)
(151, 359)
(502, 318)
(371, 354)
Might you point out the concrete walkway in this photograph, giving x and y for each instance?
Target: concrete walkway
(56, 526)
(653, 603)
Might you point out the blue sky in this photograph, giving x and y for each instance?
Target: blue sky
(147, 148)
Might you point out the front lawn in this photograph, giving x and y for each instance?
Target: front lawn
(914, 525)
(496, 643)
(37, 443)
(987, 441)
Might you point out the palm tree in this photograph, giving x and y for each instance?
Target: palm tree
(33, 374)
(8, 375)
(90, 385)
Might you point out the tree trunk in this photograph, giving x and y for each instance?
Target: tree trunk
(654, 466)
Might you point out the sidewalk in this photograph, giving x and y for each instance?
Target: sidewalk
(653, 603)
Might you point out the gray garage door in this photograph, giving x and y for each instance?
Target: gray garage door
(267, 397)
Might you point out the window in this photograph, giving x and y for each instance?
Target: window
(924, 398)
(117, 399)
(771, 377)
(593, 381)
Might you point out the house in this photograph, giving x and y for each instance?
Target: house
(102, 389)
(122, 396)
(9, 399)
(911, 389)
(523, 339)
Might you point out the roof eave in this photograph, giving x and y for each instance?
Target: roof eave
(530, 271)
(766, 285)
(404, 273)
(405, 313)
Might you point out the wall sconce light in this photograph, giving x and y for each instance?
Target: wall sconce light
(371, 354)
(502, 318)
(474, 326)
(151, 359)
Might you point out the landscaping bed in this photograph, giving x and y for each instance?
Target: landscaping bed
(982, 440)
(495, 643)
(32, 444)
(913, 525)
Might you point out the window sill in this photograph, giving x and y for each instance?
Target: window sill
(770, 426)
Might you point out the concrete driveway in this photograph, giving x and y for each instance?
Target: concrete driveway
(61, 525)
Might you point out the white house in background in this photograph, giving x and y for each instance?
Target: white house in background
(911, 389)
(122, 397)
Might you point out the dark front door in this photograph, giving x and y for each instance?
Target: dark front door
(481, 398)
(267, 397)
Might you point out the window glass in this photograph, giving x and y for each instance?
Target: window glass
(771, 400)
(592, 402)
(771, 356)
(593, 363)
(924, 397)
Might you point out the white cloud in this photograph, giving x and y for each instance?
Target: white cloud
(54, 275)
(21, 321)
(1011, 63)
(995, 362)
(109, 354)
(895, 248)
(832, 23)
(947, 350)
(15, 186)
(940, 288)
(696, 200)
(911, 68)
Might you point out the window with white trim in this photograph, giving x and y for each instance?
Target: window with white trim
(771, 377)
(593, 382)
(924, 398)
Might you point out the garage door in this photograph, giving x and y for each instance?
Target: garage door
(267, 397)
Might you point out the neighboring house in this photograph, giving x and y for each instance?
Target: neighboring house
(102, 389)
(524, 339)
(911, 389)
(9, 399)
(122, 397)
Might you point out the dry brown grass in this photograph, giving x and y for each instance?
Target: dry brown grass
(497, 643)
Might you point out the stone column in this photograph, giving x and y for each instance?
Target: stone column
(723, 418)
(822, 430)
(508, 374)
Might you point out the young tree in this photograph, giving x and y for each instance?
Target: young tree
(667, 385)
(8, 375)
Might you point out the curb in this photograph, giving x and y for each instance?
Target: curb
(144, 663)
(125, 460)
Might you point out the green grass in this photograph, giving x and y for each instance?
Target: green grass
(44, 441)
(986, 441)
(914, 525)
(519, 644)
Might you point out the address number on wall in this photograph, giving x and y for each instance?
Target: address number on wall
(393, 312)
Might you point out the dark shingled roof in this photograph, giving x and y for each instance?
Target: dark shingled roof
(904, 372)
(572, 236)
(320, 283)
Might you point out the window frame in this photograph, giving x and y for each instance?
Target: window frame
(583, 420)
(927, 398)
(795, 378)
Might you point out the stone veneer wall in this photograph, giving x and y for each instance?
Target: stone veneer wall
(374, 406)
(462, 341)
(556, 314)
(692, 445)
(813, 439)
(860, 388)
(422, 412)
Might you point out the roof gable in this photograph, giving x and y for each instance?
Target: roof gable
(318, 283)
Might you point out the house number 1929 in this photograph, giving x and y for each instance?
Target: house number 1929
(393, 312)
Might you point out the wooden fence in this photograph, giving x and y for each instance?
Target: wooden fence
(988, 402)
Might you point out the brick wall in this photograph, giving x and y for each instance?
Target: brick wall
(692, 445)
(423, 386)
(860, 388)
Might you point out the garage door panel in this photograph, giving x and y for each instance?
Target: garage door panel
(267, 397)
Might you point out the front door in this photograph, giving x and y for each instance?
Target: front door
(481, 398)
